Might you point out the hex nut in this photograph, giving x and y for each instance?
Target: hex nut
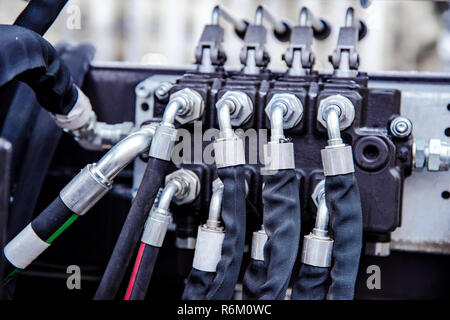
(294, 112)
(435, 154)
(318, 192)
(196, 105)
(419, 153)
(190, 180)
(243, 106)
(347, 110)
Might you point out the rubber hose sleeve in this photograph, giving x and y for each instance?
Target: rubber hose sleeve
(234, 219)
(140, 281)
(153, 179)
(254, 278)
(198, 284)
(39, 15)
(282, 224)
(311, 283)
(344, 203)
(29, 58)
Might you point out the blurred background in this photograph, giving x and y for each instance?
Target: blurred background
(403, 34)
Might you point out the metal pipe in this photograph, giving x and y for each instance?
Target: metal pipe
(224, 118)
(350, 17)
(169, 191)
(333, 125)
(215, 208)
(262, 12)
(125, 151)
(306, 18)
(276, 121)
(173, 108)
(219, 11)
(322, 217)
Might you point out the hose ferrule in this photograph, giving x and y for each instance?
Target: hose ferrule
(163, 142)
(85, 190)
(208, 249)
(156, 227)
(279, 156)
(259, 240)
(337, 160)
(229, 152)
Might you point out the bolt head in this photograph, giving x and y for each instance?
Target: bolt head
(243, 107)
(401, 127)
(196, 105)
(191, 180)
(419, 153)
(347, 110)
(294, 106)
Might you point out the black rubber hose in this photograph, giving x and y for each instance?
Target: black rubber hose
(37, 154)
(344, 203)
(234, 219)
(311, 283)
(198, 284)
(254, 278)
(29, 58)
(145, 266)
(47, 225)
(132, 229)
(39, 15)
(282, 224)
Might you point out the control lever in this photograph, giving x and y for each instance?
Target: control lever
(209, 53)
(299, 56)
(345, 58)
(253, 55)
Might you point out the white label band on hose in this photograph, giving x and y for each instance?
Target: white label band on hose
(24, 248)
(208, 249)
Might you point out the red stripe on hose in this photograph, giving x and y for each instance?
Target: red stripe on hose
(135, 271)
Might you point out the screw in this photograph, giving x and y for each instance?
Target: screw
(162, 92)
(401, 127)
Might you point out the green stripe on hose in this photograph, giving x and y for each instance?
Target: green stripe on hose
(61, 229)
(11, 275)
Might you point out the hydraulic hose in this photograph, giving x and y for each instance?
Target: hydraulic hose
(29, 58)
(142, 272)
(311, 283)
(342, 200)
(77, 197)
(282, 225)
(208, 249)
(129, 235)
(39, 15)
(344, 203)
(234, 219)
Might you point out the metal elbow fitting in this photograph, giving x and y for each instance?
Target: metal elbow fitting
(234, 109)
(318, 246)
(336, 113)
(182, 186)
(96, 179)
(208, 247)
(434, 155)
(285, 111)
(185, 106)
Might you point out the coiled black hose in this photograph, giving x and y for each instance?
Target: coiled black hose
(344, 203)
(142, 272)
(282, 225)
(29, 58)
(311, 283)
(234, 219)
(198, 284)
(132, 229)
(39, 15)
(254, 278)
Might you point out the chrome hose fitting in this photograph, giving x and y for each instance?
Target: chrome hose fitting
(234, 109)
(318, 246)
(96, 179)
(208, 248)
(182, 186)
(433, 156)
(185, 106)
(259, 240)
(336, 113)
(285, 111)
